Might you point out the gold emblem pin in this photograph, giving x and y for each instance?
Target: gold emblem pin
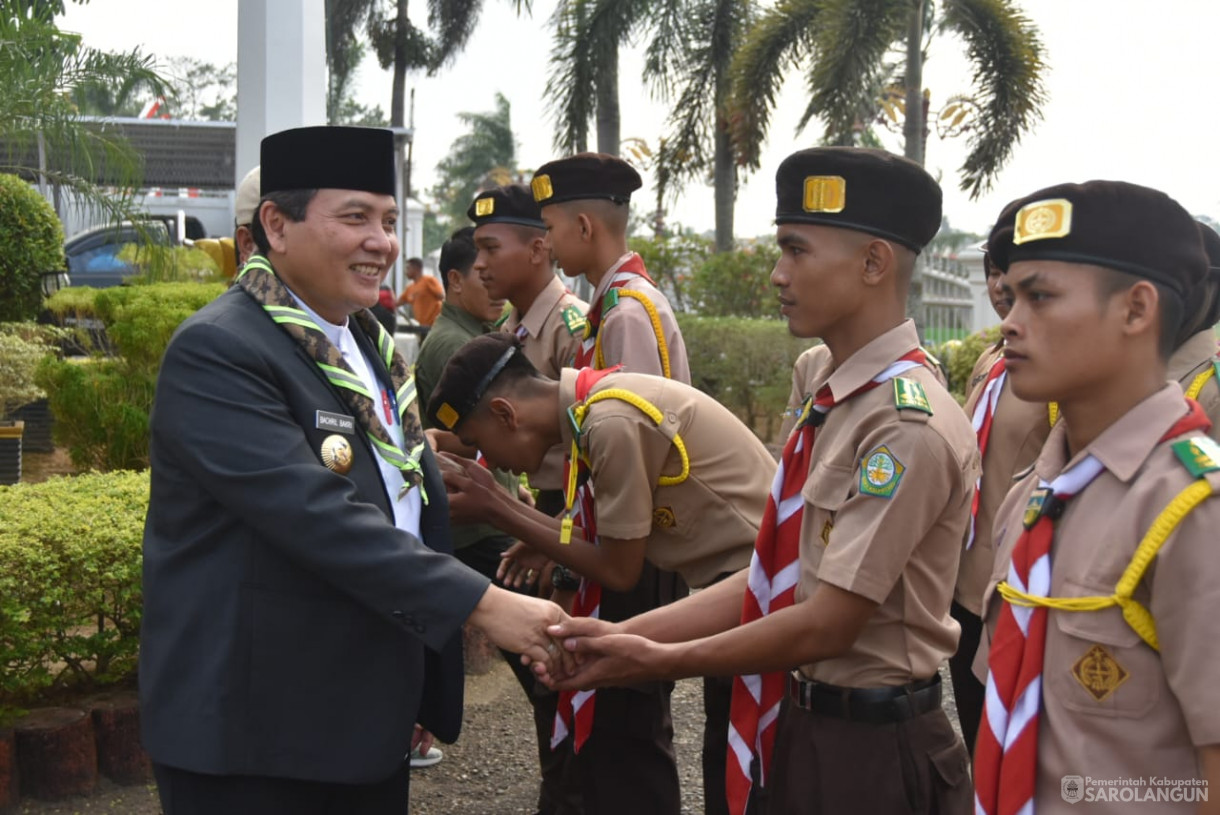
(663, 517)
(337, 454)
(1041, 220)
(1099, 673)
(484, 207)
(825, 193)
(448, 416)
(541, 185)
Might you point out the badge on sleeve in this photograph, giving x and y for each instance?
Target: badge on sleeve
(880, 473)
(910, 395)
(574, 320)
(1099, 673)
(1200, 456)
(663, 517)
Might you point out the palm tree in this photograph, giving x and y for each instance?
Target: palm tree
(484, 156)
(844, 44)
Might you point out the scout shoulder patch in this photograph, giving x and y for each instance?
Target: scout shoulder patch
(880, 473)
(1199, 456)
(609, 301)
(574, 320)
(910, 395)
(1099, 673)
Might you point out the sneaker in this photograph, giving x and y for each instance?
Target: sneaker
(433, 756)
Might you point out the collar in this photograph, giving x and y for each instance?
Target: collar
(1124, 446)
(604, 285)
(541, 307)
(471, 324)
(567, 398)
(340, 336)
(1196, 351)
(872, 359)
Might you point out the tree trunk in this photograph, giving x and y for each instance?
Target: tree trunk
(9, 791)
(724, 182)
(56, 753)
(608, 117)
(913, 126)
(120, 755)
(399, 88)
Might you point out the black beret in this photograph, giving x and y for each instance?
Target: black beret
(1120, 226)
(870, 191)
(510, 204)
(1204, 299)
(470, 372)
(333, 158)
(584, 176)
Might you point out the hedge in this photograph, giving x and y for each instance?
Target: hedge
(31, 242)
(70, 596)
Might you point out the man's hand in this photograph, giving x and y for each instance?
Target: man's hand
(607, 659)
(473, 490)
(422, 740)
(521, 565)
(519, 624)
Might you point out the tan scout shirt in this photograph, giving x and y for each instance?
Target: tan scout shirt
(1111, 706)
(900, 551)
(549, 342)
(627, 334)
(1018, 430)
(701, 528)
(1195, 356)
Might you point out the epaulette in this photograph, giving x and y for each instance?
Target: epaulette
(574, 320)
(1200, 455)
(910, 395)
(610, 300)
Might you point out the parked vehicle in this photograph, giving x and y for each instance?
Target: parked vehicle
(93, 255)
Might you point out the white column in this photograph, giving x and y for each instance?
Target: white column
(281, 72)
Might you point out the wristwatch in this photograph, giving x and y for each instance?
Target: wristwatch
(564, 579)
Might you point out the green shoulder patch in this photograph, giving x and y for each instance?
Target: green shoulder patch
(880, 473)
(1199, 456)
(574, 320)
(1216, 368)
(910, 395)
(503, 318)
(610, 300)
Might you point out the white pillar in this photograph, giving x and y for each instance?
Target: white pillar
(281, 72)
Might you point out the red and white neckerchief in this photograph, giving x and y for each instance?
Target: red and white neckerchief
(984, 415)
(1006, 751)
(631, 268)
(775, 570)
(574, 713)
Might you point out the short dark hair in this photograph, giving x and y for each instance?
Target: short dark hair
(1171, 307)
(293, 203)
(458, 253)
(415, 262)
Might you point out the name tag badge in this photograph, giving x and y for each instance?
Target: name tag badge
(335, 422)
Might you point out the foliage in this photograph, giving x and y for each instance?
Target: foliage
(31, 242)
(19, 360)
(737, 283)
(744, 364)
(102, 404)
(485, 155)
(201, 91)
(672, 262)
(959, 357)
(169, 264)
(40, 67)
(70, 595)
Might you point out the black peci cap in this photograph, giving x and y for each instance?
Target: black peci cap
(1120, 226)
(470, 372)
(336, 158)
(510, 204)
(866, 190)
(584, 176)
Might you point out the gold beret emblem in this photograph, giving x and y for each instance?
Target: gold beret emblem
(337, 454)
(663, 517)
(448, 416)
(541, 185)
(1040, 220)
(825, 193)
(484, 207)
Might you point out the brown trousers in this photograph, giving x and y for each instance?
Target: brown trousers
(829, 766)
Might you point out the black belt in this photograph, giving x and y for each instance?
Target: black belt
(869, 705)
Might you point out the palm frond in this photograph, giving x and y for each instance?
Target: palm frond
(776, 41)
(1008, 63)
(570, 86)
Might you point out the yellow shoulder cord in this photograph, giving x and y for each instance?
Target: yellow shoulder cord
(1196, 384)
(599, 359)
(1052, 412)
(578, 420)
(1137, 616)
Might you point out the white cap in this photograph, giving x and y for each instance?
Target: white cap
(248, 195)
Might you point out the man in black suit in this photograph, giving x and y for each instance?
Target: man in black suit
(302, 612)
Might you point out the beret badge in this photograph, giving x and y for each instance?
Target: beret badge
(541, 185)
(1039, 220)
(825, 193)
(484, 207)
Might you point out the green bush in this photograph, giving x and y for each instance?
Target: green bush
(31, 242)
(19, 359)
(70, 597)
(746, 365)
(959, 357)
(101, 405)
(170, 264)
(672, 263)
(737, 283)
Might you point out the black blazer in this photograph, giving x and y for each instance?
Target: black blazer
(290, 630)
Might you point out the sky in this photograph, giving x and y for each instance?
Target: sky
(1133, 87)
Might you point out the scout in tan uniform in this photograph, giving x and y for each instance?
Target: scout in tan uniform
(1195, 364)
(677, 478)
(1102, 665)
(584, 200)
(1010, 433)
(853, 568)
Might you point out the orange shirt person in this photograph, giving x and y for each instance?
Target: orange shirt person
(424, 294)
